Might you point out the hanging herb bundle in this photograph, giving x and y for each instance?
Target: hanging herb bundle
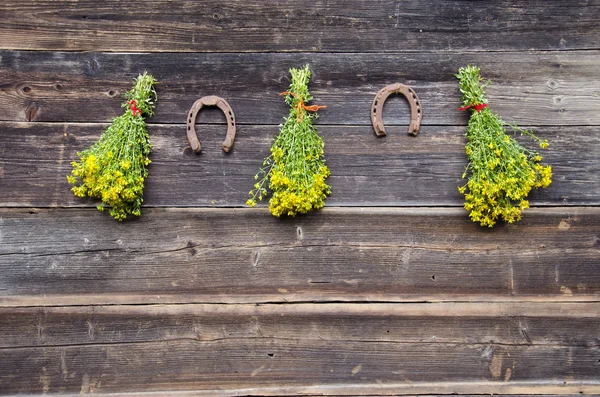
(501, 171)
(114, 168)
(296, 169)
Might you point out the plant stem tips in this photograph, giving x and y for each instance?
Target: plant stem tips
(296, 169)
(501, 171)
(114, 168)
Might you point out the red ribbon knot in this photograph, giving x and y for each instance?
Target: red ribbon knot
(477, 107)
(134, 109)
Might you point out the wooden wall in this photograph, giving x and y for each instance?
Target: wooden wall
(389, 290)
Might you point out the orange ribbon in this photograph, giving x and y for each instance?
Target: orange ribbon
(301, 105)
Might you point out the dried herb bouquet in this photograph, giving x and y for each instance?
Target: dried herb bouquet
(115, 167)
(295, 170)
(501, 172)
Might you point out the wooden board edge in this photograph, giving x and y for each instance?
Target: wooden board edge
(547, 309)
(383, 389)
(112, 299)
(330, 210)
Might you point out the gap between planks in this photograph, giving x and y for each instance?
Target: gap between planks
(286, 300)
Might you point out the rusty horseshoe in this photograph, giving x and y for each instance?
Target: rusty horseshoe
(222, 104)
(416, 112)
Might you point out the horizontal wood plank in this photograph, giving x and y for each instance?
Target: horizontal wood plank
(541, 88)
(505, 323)
(398, 170)
(178, 347)
(329, 26)
(554, 388)
(267, 362)
(54, 257)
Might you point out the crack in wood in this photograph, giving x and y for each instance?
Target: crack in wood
(279, 338)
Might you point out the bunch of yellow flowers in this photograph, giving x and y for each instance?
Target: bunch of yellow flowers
(296, 169)
(501, 171)
(115, 167)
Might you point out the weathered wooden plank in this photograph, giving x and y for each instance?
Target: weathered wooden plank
(514, 323)
(54, 257)
(276, 362)
(538, 88)
(397, 170)
(431, 389)
(520, 389)
(106, 349)
(337, 26)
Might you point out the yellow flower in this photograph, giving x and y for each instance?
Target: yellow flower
(501, 173)
(295, 171)
(118, 180)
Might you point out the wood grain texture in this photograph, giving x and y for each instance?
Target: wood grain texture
(56, 257)
(398, 170)
(390, 290)
(329, 26)
(504, 323)
(158, 347)
(425, 389)
(296, 362)
(541, 88)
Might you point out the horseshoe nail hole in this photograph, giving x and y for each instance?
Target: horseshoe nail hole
(419, 110)
(189, 127)
(26, 89)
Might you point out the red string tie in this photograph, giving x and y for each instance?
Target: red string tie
(477, 107)
(134, 109)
